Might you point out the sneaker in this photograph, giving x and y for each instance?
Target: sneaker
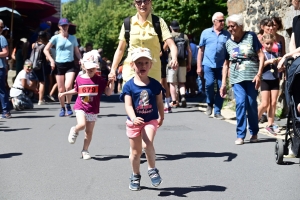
(155, 177)
(253, 139)
(69, 110)
(72, 135)
(43, 102)
(219, 116)
(62, 112)
(239, 141)
(51, 98)
(85, 155)
(6, 115)
(276, 128)
(183, 102)
(208, 110)
(263, 119)
(135, 184)
(168, 110)
(270, 130)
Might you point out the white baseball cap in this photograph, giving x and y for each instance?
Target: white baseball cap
(139, 53)
(91, 59)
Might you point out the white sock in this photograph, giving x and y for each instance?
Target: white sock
(167, 102)
(150, 168)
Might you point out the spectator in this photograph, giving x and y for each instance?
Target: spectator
(22, 86)
(64, 66)
(3, 74)
(245, 62)
(88, 47)
(191, 76)
(178, 76)
(211, 56)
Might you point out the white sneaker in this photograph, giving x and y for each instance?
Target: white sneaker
(85, 155)
(72, 135)
(43, 102)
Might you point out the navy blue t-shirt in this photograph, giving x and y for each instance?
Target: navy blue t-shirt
(270, 71)
(143, 98)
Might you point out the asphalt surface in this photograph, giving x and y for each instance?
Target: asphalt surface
(196, 156)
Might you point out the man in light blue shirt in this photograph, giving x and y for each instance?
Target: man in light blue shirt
(211, 57)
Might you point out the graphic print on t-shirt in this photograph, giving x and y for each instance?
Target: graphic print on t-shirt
(144, 106)
(86, 92)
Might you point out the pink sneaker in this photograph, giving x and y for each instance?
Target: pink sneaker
(168, 110)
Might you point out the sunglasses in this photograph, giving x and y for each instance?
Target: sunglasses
(222, 20)
(139, 3)
(28, 66)
(231, 26)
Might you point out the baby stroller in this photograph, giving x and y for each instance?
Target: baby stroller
(290, 146)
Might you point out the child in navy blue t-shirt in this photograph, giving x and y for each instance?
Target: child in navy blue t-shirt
(144, 106)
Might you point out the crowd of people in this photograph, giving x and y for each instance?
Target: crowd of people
(162, 67)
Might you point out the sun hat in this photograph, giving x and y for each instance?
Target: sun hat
(91, 59)
(139, 53)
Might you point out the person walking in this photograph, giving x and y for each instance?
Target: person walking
(245, 63)
(211, 57)
(63, 65)
(177, 77)
(144, 106)
(89, 86)
(143, 34)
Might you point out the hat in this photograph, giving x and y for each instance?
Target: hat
(175, 25)
(23, 40)
(63, 21)
(139, 53)
(90, 59)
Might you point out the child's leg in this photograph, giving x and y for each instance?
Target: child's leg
(272, 107)
(88, 134)
(81, 121)
(148, 138)
(135, 154)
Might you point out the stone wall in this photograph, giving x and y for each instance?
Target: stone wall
(255, 10)
(57, 4)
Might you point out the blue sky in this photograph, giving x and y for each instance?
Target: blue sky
(63, 1)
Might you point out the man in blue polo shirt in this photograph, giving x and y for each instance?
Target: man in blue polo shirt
(210, 60)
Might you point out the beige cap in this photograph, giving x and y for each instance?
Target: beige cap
(139, 53)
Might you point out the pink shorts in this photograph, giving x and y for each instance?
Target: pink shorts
(135, 130)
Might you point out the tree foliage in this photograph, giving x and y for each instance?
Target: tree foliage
(99, 21)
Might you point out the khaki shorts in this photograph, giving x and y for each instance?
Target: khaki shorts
(176, 76)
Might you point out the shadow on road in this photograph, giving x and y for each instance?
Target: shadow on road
(13, 129)
(182, 191)
(168, 157)
(34, 116)
(109, 157)
(9, 155)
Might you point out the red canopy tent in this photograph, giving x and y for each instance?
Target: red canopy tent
(36, 8)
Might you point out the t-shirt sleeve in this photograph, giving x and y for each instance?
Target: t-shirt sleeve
(256, 43)
(53, 40)
(158, 88)
(122, 33)
(75, 41)
(3, 42)
(165, 32)
(202, 39)
(22, 75)
(125, 91)
(227, 56)
(76, 84)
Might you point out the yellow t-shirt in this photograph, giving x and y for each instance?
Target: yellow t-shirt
(144, 35)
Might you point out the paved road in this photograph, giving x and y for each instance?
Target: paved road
(196, 156)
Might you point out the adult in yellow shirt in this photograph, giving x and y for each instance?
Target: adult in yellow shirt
(142, 34)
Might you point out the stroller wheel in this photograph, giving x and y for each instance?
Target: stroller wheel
(279, 150)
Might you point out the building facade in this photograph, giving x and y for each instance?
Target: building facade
(57, 4)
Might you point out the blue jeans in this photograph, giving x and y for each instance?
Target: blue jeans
(3, 92)
(246, 107)
(211, 75)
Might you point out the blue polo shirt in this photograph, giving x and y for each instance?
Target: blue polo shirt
(215, 50)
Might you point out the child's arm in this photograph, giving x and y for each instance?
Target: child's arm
(130, 111)
(72, 92)
(160, 107)
(109, 88)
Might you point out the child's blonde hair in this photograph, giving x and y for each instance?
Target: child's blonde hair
(266, 37)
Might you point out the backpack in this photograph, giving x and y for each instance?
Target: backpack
(36, 56)
(181, 46)
(157, 28)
